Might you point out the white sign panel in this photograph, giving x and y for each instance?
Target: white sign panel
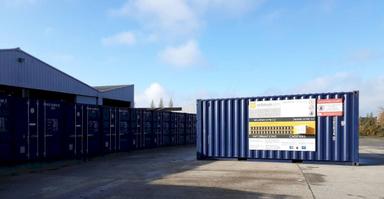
(283, 108)
(282, 144)
(288, 125)
(330, 107)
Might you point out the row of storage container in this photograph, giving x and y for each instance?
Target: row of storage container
(33, 129)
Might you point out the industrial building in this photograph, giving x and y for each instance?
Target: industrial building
(24, 75)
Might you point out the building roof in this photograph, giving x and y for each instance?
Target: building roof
(109, 88)
(117, 92)
(21, 69)
(18, 68)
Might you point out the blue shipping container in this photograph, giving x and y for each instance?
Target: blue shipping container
(115, 129)
(5, 129)
(82, 137)
(223, 129)
(38, 129)
(157, 129)
(136, 128)
(166, 130)
(124, 133)
(51, 129)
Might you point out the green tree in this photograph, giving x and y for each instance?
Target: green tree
(370, 126)
(161, 103)
(170, 105)
(380, 116)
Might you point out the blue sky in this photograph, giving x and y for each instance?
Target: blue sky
(185, 49)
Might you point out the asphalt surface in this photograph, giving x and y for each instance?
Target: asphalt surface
(173, 172)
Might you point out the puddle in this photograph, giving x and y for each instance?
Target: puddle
(314, 178)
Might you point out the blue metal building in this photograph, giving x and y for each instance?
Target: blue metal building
(24, 75)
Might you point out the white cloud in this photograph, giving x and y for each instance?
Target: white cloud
(154, 92)
(371, 90)
(226, 7)
(185, 55)
(122, 38)
(175, 21)
(174, 17)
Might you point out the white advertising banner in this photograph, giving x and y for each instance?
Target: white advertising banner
(288, 125)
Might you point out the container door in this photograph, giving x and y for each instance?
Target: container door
(147, 130)
(32, 139)
(157, 129)
(123, 130)
(92, 132)
(5, 133)
(109, 129)
(51, 129)
(166, 128)
(136, 129)
(76, 137)
(113, 131)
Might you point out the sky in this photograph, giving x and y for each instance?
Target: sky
(191, 49)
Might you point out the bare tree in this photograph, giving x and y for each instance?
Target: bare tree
(152, 104)
(380, 116)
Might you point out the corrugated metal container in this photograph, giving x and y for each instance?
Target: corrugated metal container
(148, 136)
(51, 129)
(26, 129)
(157, 129)
(5, 129)
(82, 137)
(115, 129)
(173, 128)
(222, 130)
(73, 144)
(136, 128)
(180, 129)
(190, 129)
(38, 129)
(165, 122)
(124, 129)
(92, 133)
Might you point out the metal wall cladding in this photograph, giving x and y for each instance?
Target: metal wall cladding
(82, 137)
(5, 129)
(38, 127)
(222, 130)
(124, 94)
(115, 129)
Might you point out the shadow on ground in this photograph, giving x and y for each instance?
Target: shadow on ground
(371, 159)
(123, 175)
